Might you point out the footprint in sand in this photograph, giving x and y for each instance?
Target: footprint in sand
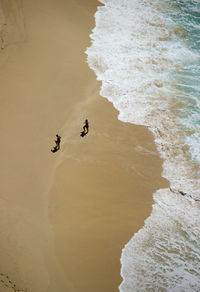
(9, 284)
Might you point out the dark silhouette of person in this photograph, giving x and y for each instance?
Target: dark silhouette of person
(58, 140)
(86, 127)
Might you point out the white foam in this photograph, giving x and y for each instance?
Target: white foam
(164, 254)
(133, 55)
(134, 52)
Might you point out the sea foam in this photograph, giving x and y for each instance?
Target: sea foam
(141, 52)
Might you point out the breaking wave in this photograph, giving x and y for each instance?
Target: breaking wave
(146, 54)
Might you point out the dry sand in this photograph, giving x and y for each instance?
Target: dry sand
(64, 217)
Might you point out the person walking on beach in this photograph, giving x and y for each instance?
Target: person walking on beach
(86, 127)
(58, 140)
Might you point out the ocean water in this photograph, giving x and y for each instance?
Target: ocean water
(146, 53)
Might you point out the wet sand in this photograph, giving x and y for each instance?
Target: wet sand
(65, 217)
(101, 196)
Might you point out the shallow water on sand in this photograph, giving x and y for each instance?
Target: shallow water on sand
(146, 53)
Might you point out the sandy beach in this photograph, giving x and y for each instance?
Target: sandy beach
(65, 217)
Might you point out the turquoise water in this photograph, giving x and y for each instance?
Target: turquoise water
(186, 14)
(146, 54)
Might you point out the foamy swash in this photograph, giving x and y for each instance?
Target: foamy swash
(146, 53)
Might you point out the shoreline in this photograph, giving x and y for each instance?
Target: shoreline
(103, 185)
(111, 208)
(147, 77)
(91, 183)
